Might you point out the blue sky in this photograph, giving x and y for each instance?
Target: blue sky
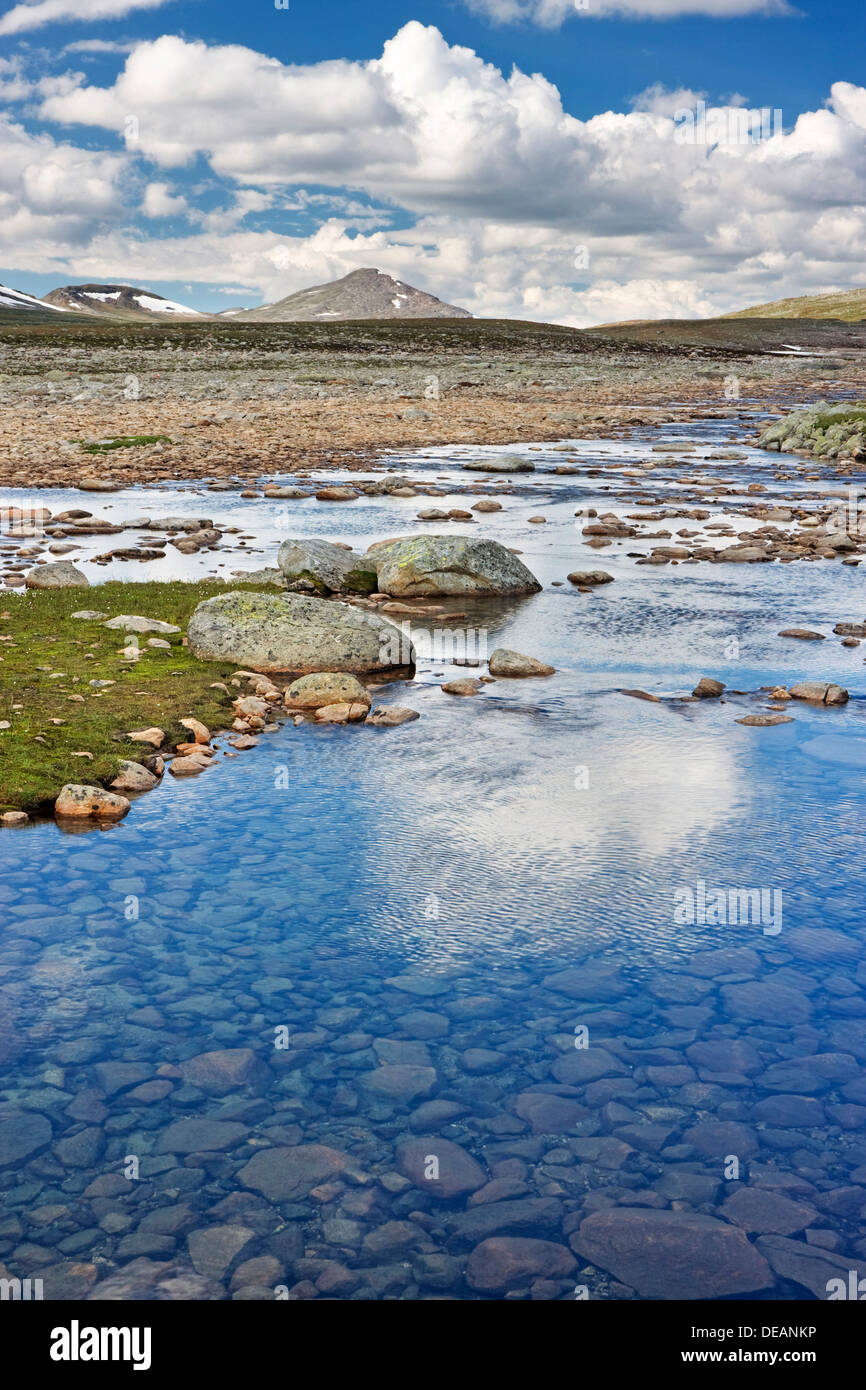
(520, 157)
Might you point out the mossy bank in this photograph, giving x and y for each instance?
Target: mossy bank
(54, 707)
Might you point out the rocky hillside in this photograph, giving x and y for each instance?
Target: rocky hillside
(118, 302)
(363, 294)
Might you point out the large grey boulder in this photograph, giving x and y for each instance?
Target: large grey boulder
(324, 568)
(461, 565)
(60, 575)
(296, 634)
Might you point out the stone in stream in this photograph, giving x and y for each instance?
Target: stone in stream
(60, 575)
(132, 777)
(342, 713)
(672, 1254)
(499, 465)
(214, 1250)
(819, 692)
(223, 1071)
(417, 566)
(189, 765)
(590, 579)
(504, 662)
(190, 1136)
(336, 494)
(764, 721)
(810, 1074)
(285, 1174)
(511, 1262)
(298, 635)
(390, 716)
(325, 688)
(708, 689)
(440, 1168)
(470, 685)
(399, 1082)
(803, 634)
(761, 1212)
(825, 1274)
(325, 568)
(22, 1133)
(84, 802)
(549, 1114)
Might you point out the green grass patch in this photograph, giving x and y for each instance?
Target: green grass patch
(39, 637)
(127, 441)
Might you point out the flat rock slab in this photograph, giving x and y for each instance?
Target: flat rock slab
(763, 1212)
(133, 622)
(22, 1133)
(767, 1001)
(201, 1136)
(672, 1254)
(282, 1174)
(819, 692)
(399, 1082)
(510, 1262)
(214, 1249)
(808, 1265)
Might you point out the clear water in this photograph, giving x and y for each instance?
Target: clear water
(425, 886)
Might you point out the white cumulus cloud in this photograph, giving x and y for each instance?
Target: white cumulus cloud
(515, 207)
(33, 14)
(550, 14)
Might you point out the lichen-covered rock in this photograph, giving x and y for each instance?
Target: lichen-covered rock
(321, 567)
(416, 566)
(829, 431)
(297, 634)
(62, 574)
(82, 802)
(132, 777)
(326, 688)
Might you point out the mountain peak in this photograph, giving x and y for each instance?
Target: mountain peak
(365, 293)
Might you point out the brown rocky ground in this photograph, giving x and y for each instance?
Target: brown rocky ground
(247, 401)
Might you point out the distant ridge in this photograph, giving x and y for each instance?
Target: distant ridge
(16, 299)
(362, 294)
(847, 305)
(118, 302)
